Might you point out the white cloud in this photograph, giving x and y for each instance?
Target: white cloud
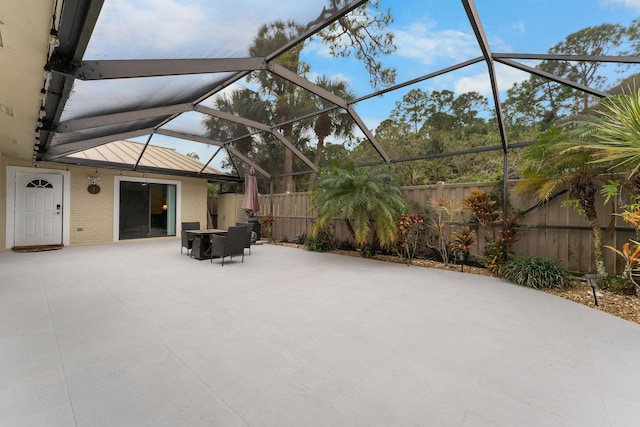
(480, 83)
(519, 26)
(631, 4)
(422, 42)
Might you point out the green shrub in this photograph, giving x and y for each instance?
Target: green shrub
(534, 272)
(324, 241)
(620, 284)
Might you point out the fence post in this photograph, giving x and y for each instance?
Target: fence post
(439, 190)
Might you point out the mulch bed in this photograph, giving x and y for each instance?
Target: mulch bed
(623, 306)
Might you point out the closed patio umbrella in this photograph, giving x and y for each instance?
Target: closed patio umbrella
(250, 202)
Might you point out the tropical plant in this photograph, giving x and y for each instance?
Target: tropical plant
(461, 243)
(266, 225)
(483, 206)
(498, 251)
(613, 134)
(365, 197)
(323, 241)
(439, 223)
(557, 161)
(627, 282)
(409, 228)
(336, 122)
(535, 272)
(631, 254)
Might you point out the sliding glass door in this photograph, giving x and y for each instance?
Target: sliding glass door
(147, 210)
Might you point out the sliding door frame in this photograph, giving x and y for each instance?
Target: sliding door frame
(116, 200)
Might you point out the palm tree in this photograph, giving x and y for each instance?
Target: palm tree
(242, 103)
(365, 198)
(334, 122)
(556, 162)
(288, 99)
(614, 133)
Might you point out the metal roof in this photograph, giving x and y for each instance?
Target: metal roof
(128, 154)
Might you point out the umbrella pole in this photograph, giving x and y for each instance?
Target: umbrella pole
(271, 196)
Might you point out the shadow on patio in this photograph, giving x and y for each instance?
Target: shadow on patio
(137, 334)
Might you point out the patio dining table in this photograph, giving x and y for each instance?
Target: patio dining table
(201, 248)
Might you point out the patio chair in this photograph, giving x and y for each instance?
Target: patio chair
(249, 236)
(230, 244)
(187, 240)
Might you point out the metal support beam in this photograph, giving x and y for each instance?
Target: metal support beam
(68, 148)
(293, 149)
(211, 159)
(576, 58)
(372, 139)
(124, 117)
(142, 152)
(147, 169)
(420, 79)
(553, 77)
(306, 84)
(208, 141)
(474, 20)
(188, 137)
(247, 161)
(326, 18)
(231, 117)
(123, 69)
(77, 21)
(476, 24)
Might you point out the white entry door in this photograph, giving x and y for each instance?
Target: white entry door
(38, 209)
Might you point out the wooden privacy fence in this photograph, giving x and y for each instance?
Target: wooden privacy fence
(550, 230)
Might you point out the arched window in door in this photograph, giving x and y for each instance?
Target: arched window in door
(39, 183)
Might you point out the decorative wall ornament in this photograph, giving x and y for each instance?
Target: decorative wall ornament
(93, 188)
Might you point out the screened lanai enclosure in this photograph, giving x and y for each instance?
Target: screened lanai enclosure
(444, 90)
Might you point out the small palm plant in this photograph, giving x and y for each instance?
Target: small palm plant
(366, 198)
(557, 161)
(614, 134)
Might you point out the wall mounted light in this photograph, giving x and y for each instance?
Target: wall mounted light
(53, 38)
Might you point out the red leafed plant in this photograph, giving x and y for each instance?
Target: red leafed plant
(408, 228)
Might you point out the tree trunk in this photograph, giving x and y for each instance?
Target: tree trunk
(316, 160)
(351, 230)
(592, 216)
(289, 184)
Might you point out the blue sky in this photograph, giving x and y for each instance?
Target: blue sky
(430, 35)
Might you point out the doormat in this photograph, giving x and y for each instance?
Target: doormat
(36, 248)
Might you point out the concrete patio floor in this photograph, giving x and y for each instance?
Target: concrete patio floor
(135, 334)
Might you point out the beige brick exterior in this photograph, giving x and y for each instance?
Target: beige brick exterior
(194, 201)
(3, 200)
(92, 215)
